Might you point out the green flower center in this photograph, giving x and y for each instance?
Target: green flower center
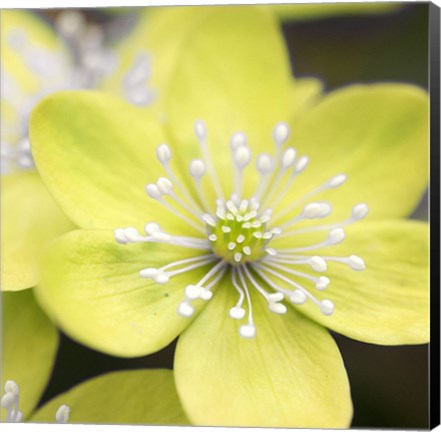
(238, 233)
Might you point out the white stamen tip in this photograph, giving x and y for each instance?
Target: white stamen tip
(277, 308)
(149, 273)
(237, 313)
(239, 139)
(163, 153)
(153, 191)
(242, 157)
(206, 294)
(12, 387)
(318, 263)
(264, 164)
(337, 181)
(192, 292)
(356, 263)
(62, 414)
(197, 168)
(288, 157)
(185, 309)
(327, 307)
(7, 400)
(212, 237)
(297, 297)
(120, 236)
(312, 210)
(360, 211)
(336, 236)
(200, 129)
(152, 228)
(248, 331)
(301, 164)
(165, 186)
(271, 251)
(275, 297)
(322, 282)
(18, 417)
(280, 133)
(231, 246)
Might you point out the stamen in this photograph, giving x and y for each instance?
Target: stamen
(198, 291)
(201, 134)
(237, 236)
(333, 183)
(247, 331)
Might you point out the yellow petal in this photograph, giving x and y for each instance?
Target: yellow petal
(290, 375)
(145, 397)
(92, 288)
(29, 345)
(30, 218)
(388, 302)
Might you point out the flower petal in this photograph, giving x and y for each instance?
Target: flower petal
(30, 218)
(388, 302)
(290, 375)
(29, 344)
(233, 73)
(92, 288)
(374, 134)
(151, 37)
(96, 153)
(128, 397)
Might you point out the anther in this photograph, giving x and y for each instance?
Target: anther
(360, 211)
(301, 164)
(62, 415)
(163, 153)
(280, 133)
(318, 263)
(336, 236)
(165, 186)
(197, 168)
(242, 157)
(248, 331)
(337, 181)
(297, 297)
(327, 307)
(356, 263)
(185, 309)
(153, 191)
(237, 312)
(200, 129)
(264, 164)
(322, 283)
(239, 139)
(288, 157)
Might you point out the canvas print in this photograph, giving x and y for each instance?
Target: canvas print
(216, 215)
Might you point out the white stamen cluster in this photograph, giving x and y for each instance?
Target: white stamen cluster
(89, 63)
(10, 402)
(236, 234)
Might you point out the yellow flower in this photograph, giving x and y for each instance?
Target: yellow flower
(238, 360)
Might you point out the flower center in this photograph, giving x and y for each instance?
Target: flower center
(238, 233)
(235, 233)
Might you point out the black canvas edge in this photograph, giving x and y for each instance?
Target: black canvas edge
(434, 88)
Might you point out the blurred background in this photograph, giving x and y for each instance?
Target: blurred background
(389, 384)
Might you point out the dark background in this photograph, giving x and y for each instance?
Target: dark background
(389, 384)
